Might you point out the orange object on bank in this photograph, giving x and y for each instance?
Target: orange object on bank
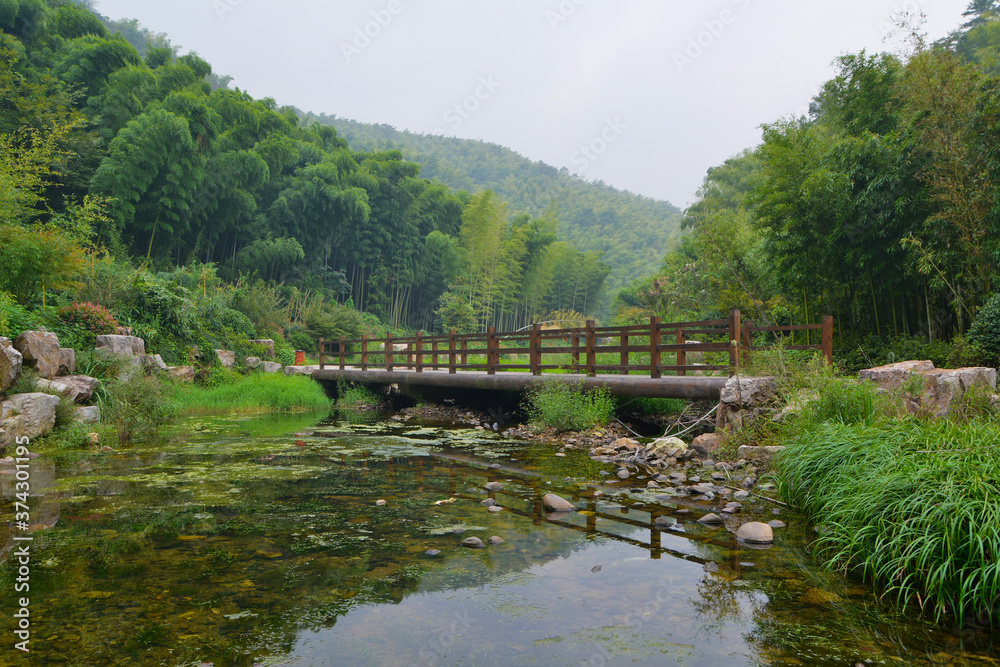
(300, 358)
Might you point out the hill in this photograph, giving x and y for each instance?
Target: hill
(632, 231)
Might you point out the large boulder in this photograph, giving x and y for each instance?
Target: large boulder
(271, 367)
(253, 363)
(744, 399)
(122, 346)
(181, 373)
(35, 413)
(892, 376)
(77, 388)
(10, 364)
(667, 447)
(67, 361)
(40, 350)
(266, 342)
(300, 370)
(707, 444)
(88, 414)
(154, 362)
(755, 533)
(227, 357)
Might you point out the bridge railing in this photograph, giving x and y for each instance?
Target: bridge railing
(646, 349)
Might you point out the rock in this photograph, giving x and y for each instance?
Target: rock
(88, 414)
(266, 342)
(776, 524)
(893, 376)
(554, 503)
(758, 453)
(473, 543)
(67, 361)
(271, 367)
(227, 357)
(719, 476)
(667, 447)
(81, 387)
(51, 387)
(626, 443)
(495, 540)
(40, 350)
(623, 474)
(380, 502)
(652, 485)
(741, 495)
(154, 361)
(432, 552)
(122, 346)
(710, 566)
(489, 502)
(94, 438)
(495, 508)
(253, 363)
(28, 415)
(664, 522)
(710, 519)
(746, 391)
(11, 362)
(493, 486)
(300, 370)
(560, 454)
(181, 373)
(123, 331)
(755, 532)
(707, 444)
(703, 487)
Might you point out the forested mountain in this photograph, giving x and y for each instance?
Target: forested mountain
(882, 207)
(632, 231)
(112, 142)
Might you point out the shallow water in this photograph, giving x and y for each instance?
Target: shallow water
(259, 542)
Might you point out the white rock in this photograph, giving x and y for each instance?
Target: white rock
(554, 503)
(227, 357)
(35, 414)
(253, 362)
(755, 533)
(122, 346)
(749, 392)
(11, 362)
(271, 367)
(40, 350)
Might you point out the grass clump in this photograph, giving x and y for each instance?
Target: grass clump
(910, 504)
(564, 406)
(356, 397)
(134, 404)
(257, 392)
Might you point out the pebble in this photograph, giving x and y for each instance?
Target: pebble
(652, 485)
(493, 486)
(711, 519)
(494, 465)
(776, 524)
(380, 502)
(710, 566)
(741, 495)
(605, 472)
(489, 502)
(560, 454)
(748, 564)
(495, 540)
(473, 543)
(623, 474)
(432, 552)
(495, 508)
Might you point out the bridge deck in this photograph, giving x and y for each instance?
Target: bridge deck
(687, 387)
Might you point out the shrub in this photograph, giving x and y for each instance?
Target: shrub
(90, 316)
(566, 407)
(356, 396)
(985, 330)
(134, 404)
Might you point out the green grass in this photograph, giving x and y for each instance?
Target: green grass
(355, 397)
(910, 504)
(257, 392)
(566, 407)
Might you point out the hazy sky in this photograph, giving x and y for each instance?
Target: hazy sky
(643, 95)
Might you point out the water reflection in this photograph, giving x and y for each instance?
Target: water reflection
(242, 543)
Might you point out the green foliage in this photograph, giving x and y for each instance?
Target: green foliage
(36, 258)
(134, 405)
(257, 392)
(985, 331)
(910, 505)
(356, 397)
(564, 406)
(90, 317)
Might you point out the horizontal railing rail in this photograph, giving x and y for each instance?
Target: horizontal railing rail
(640, 348)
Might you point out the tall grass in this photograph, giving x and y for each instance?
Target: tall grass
(912, 505)
(257, 392)
(566, 407)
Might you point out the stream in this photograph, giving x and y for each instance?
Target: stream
(259, 541)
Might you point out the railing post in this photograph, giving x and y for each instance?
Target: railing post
(576, 351)
(828, 339)
(388, 352)
(535, 343)
(364, 352)
(451, 351)
(623, 359)
(735, 334)
(591, 344)
(420, 353)
(465, 346)
(322, 345)
(746, 341)
(343, 351)
(491, 342)
(434, 355)
(654, 347)
(682, 355)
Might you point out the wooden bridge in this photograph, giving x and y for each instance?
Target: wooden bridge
(655, 360)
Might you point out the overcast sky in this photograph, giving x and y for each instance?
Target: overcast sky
(641, 94)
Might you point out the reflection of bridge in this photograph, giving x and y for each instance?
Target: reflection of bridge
(626, 360)
(456, 465)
